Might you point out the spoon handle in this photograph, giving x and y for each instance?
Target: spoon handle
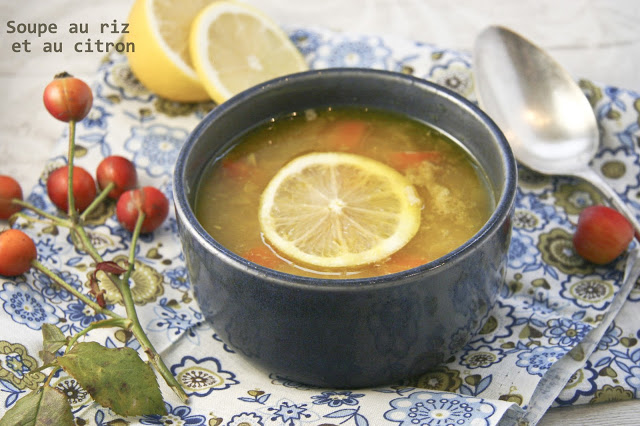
(615, 200)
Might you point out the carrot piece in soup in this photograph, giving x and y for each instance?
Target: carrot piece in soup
(402, 262)
(403, 160)
(346, 135)
(263, 256)
(238, 169)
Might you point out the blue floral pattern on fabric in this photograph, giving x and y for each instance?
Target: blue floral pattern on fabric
(352, 51)
(426, 408)
(180, 415)
(337, 398)
(566, 332)
(155, 148)
(176, 323)
(246, 419)
(202, 376)
(539, 359)
(522, 251)
(97, 117)
(25, 306)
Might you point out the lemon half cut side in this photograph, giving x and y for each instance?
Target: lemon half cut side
(338, 210)
(235, 46)
(159, 30)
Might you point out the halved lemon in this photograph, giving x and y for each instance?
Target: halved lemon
(159, 30)
(338, 210)
(235, 46)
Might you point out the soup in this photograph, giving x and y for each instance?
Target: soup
(456, 200)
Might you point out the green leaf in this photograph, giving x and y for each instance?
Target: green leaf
(45, 406)
(115, 378)
(53, 338)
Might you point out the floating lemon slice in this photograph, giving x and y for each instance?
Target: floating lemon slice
(234, 46)
(338, 210)
(159, 30)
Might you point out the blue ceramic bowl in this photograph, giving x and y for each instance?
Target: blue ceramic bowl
(353, 332)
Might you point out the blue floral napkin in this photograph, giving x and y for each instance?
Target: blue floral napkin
(562, 332)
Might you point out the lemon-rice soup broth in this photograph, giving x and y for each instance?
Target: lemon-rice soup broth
(455, 201)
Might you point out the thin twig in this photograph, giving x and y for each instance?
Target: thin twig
(62, 283)
(96, 201)
(73, 214)
(107, 323)
(136, 327)
(56, 219)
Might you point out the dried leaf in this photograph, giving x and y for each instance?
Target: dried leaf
(45, 406)
(115, 378)
(94, 290)
(110, 267)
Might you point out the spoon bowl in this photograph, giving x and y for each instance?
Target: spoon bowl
(543, 113)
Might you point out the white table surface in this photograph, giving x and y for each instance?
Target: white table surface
(597, 40)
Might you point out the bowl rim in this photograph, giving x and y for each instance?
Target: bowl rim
(503, 208)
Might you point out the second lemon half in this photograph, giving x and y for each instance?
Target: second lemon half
(235, 46)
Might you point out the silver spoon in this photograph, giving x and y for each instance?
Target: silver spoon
(544, 115)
